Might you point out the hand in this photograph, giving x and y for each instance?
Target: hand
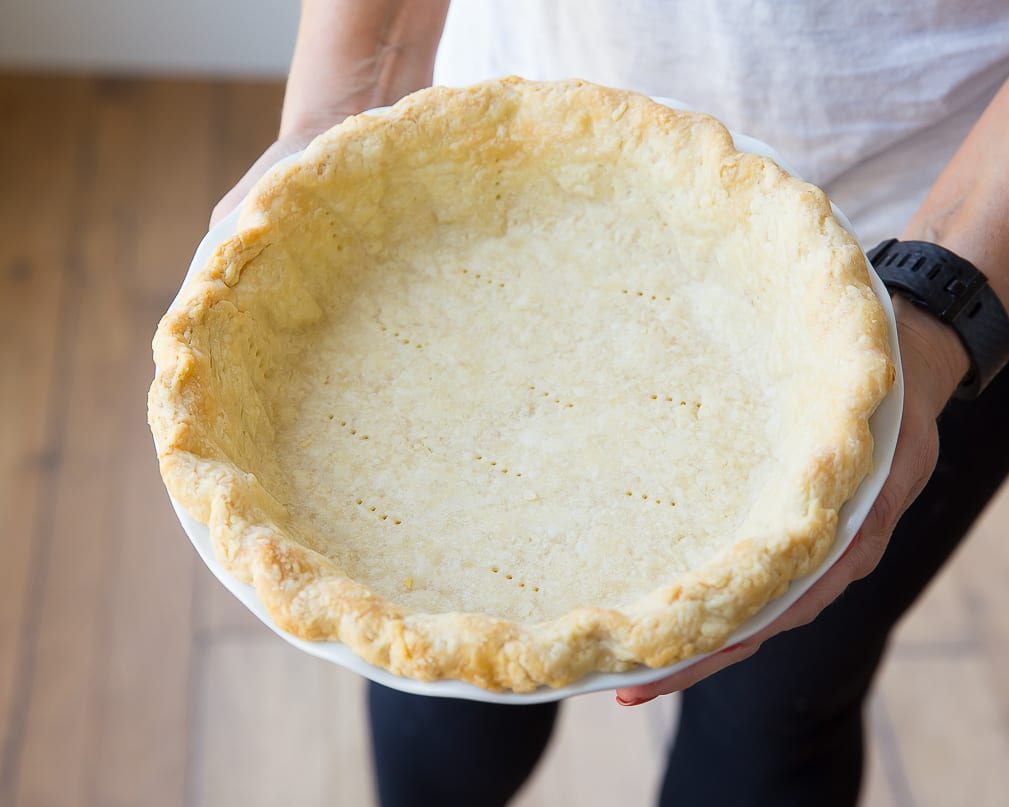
(349, 56)
(284, 146)
(934, 362)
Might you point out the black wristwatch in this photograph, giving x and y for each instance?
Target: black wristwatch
(952, 289)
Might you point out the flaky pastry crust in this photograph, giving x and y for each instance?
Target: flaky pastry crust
(519, 382)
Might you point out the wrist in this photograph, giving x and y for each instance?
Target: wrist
(353, 56)
(934, 345)
(953, 291)
(308, 124)
(966, 233)
(313, 108)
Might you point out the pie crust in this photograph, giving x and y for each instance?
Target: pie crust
(518, 382)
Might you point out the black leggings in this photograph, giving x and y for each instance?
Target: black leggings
(781, 728)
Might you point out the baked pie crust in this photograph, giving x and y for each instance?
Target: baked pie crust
(523, 381)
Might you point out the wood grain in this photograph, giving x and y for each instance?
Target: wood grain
(290, 724)
(982, 575)
(601, 754)
(40, 149)
(947, 706)
(132, 763)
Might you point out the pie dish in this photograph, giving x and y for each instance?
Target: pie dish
(520, 382)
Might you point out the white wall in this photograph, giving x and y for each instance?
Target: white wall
(182, 37)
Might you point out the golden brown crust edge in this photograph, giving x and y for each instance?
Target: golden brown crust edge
(308, 596)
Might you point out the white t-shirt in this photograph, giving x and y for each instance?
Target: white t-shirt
(866, 98)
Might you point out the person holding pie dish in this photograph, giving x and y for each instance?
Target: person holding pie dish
(901, 113)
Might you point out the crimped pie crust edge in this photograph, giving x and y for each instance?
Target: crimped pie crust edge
(308, 596)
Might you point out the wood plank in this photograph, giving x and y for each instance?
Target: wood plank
(175, 186)
(982, 571)
(276, 726)
(91, 588)
(601, 754)
(247, 121)
(953, 744)
(40, 145)
(884, 782)
(142, 757)
(63, 716)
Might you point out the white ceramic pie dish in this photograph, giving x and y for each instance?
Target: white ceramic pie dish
(884, 425)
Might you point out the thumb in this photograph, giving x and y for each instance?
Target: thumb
(913, 462)
(934, 361)
(275, 153)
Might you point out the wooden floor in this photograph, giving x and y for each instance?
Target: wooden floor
(127, 675)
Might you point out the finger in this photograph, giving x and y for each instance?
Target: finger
(228, 202)
(274, 154)
(802, 612)
(634, 696)
(913, 463)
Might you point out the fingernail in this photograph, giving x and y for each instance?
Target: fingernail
(634, 701)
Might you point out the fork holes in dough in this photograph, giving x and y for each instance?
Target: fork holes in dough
(511, 578)
(373, 508)
(556, 399)
(645, 497)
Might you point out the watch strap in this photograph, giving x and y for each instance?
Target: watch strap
(952, 289)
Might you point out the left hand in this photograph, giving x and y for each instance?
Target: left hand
(934, 361)
(281, 148)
